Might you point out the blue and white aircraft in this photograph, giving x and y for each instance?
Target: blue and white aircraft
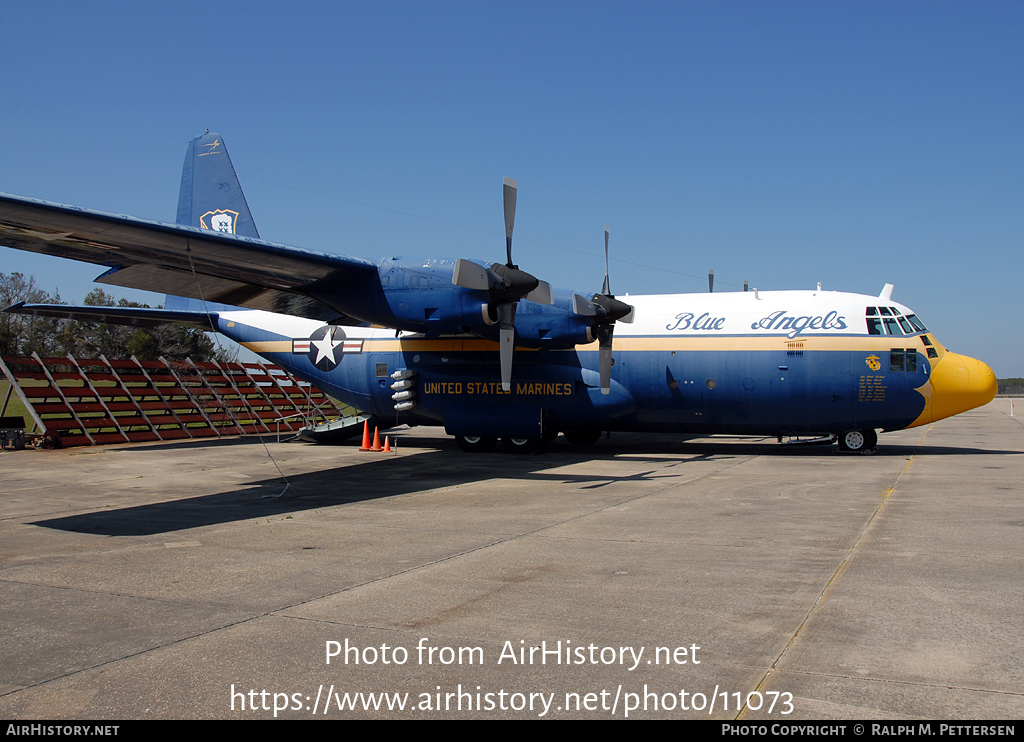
(490, 352)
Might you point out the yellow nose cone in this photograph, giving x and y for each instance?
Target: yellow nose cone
(960, 383)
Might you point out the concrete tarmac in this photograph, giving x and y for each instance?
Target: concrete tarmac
(713, 578)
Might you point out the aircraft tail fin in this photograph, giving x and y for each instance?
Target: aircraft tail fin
(210, 196)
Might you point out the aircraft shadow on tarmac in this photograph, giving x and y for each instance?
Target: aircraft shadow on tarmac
(442, 465)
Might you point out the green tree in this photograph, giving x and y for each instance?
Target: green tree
(21, 334)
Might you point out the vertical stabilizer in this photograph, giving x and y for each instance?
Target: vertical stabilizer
(210, 196)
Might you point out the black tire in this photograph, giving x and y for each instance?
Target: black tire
(475, 443)
(585, 437)
(520, 445)
(855, 441)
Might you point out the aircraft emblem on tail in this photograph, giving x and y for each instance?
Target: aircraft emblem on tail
(219, 220)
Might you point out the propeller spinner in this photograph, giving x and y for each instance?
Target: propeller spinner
(505, 286)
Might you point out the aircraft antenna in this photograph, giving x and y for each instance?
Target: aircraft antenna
(216, 337)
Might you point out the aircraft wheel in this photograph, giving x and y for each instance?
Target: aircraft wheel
(586, 437)
(520, 445)
(855, 441)
(475, 443)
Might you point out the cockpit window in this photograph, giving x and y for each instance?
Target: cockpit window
(918, 325)
(892, 322)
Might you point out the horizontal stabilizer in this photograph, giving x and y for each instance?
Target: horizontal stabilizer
(134, 316)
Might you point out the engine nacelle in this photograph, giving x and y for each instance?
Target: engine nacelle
(417, 295)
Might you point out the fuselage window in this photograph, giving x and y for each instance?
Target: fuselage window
(926, 340)
(896, 359)
(932, 353)
(911, 361)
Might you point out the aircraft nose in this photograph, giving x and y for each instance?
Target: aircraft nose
(960, 383)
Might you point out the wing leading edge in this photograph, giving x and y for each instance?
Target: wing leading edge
(189, 262)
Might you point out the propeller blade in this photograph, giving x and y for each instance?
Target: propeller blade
(582, 306)
(509, 196)
(542, 294)
(507, 339)
(604, 338)
(604, 289)
(470, 275)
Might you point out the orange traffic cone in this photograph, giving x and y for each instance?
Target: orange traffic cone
(376, 440)
(366, 436)
(387, 444)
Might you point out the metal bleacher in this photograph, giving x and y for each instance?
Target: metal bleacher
(76, 402)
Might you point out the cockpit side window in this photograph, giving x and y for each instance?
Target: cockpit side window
(891, 326)
(918, 324)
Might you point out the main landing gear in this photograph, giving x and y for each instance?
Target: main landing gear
(520, 445)
(486, 444)
(475, 443)
(858, 441)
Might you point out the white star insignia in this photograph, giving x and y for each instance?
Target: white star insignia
(325, 347)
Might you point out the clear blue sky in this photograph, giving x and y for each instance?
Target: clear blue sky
(784, 143)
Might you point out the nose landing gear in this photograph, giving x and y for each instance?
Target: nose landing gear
(858, 441)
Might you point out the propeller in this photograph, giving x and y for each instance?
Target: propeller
(505, 286)
(606, 310)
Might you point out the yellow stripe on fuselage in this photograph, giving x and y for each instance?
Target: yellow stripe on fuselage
(865, 343)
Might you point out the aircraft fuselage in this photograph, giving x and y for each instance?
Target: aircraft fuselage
(751, 363)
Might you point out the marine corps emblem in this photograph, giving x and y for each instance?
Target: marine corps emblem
(873, 363)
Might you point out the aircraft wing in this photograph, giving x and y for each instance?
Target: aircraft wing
(133, 316)
(168, 258)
